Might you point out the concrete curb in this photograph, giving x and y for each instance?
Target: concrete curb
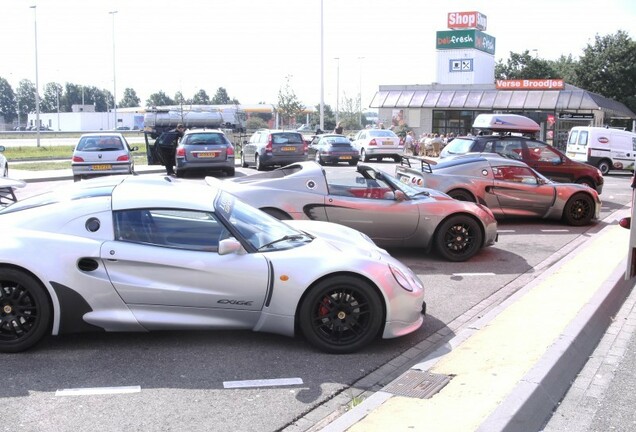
(534, 399)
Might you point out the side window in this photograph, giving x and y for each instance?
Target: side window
(583, 138)
(542, 153)
(573, 136)
(511, 149)
(179, 229)
(515, 174)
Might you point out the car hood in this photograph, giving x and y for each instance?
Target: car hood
(341, 237)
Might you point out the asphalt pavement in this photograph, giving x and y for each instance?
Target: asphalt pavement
(558, 355)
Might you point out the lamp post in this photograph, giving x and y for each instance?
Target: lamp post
(114, 76)
(337, 90)
(57, 99)
(360, 91)
(37, 84)
(322, 70)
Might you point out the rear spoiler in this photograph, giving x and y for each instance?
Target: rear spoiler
(418, 162)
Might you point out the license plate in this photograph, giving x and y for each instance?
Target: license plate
(288, 148)
(207, 154)
(571, 154)
(100, 167)
(387, 142)
(345, 157)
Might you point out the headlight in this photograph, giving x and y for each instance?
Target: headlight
(408, 283)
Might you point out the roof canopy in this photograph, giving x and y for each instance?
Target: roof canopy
(488, 98)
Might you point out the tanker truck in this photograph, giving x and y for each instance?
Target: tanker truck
(163, 119)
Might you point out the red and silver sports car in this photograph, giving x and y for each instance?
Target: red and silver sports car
(370, 201)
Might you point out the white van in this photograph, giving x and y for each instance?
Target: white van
(604, 148)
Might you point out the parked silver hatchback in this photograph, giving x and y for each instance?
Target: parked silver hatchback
(204, 150)
(267, 148)
(98, 154)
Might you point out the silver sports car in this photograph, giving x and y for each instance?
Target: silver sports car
(7, 194)
(132, 253)
(373, 202)
(509, 187)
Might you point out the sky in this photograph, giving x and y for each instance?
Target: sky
(251, 48)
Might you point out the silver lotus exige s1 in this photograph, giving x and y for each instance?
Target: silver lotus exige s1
(132, 253)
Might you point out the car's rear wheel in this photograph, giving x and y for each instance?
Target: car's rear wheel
(461, 195)
(579, 210)
(77, 178)
(458, 238)
(257, 163)
(604, 166)
(353, 162)
(230, 172)
(319, 159)
(6, 171)
(364, 156)
(25, 310)
(397, 159)
(341, 314)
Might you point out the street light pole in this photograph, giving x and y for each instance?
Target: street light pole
(57, 98)
(322, 70)
(37, 83)
(360, 91)
(337, 90)
(114, 76)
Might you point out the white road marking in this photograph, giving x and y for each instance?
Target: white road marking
(262, 383)
(505, 231)
(97, 391)
(555, 230)
(473, 274)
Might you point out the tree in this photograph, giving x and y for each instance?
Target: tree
(7, 101)
(608, 67)
(158, 99)
(221, 97)
(179, 99)
(350, 113)
(26, 95)
(329, 117)
(520, 66)
(289, 107)
(201, 98)
(130, 99)
(52, 95)
(565, 67)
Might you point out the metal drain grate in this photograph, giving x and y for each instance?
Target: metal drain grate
(418, 384)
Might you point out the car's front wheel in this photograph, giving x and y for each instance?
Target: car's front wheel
(341, 314)
(579, 210)
(319, 159)
(25, 310)
(604, 166)
(363, 155)
(458, 238)
(243, 162)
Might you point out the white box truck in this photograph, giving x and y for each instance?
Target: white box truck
(605, 148)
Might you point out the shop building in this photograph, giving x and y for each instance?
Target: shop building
(465, 86)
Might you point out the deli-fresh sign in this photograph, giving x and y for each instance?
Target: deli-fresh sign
(458, 39)
(467, 20)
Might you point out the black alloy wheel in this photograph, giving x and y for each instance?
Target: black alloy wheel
(458, 238)
(579, 210)
(25, 311)
(341, 314)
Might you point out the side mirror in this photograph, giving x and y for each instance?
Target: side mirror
(229, 245)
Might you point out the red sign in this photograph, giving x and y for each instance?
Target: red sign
(531, 84)
(467, 20)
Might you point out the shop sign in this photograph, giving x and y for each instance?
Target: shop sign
(531, 84)
(466, 20)
(461, 39)
(575, 116)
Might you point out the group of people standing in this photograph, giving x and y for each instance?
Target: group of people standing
(429, 144)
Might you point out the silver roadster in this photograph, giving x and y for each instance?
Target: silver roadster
(509, 187)
(132, 253)
(370, 201)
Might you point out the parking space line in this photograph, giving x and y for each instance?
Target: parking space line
(98, 391)
(554, 230)
(262, 383)
(473, 274)
(505, 231)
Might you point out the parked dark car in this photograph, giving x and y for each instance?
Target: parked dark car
(204, 150)
(538, 155)
(332, 149)
(268, 148)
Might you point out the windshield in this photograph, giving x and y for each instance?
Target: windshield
(408, 190)
(262, 231)
(459, 146)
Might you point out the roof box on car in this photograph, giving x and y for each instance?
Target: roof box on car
(506, 123)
